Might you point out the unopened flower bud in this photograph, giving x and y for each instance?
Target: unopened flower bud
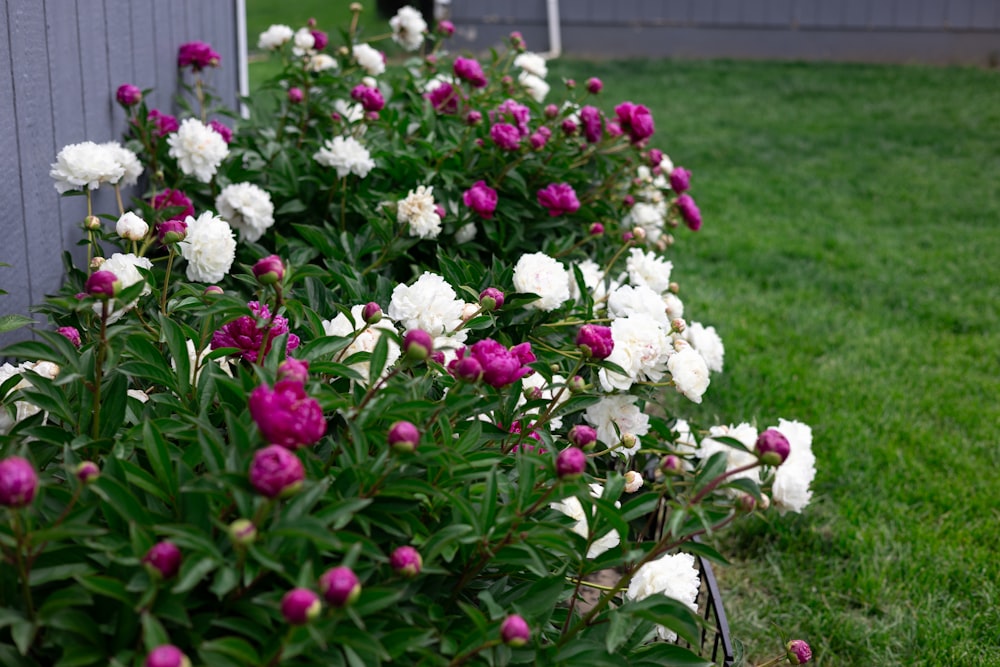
(417, 344)
(517, 41)
(163, 560)
(627, 237)
(71, 334)
(799, 652)
(406, 561)
(131, 227)
(639, 233)
(92, 222)
(677, 325)
(467, 369)
(628, 440)
(674, 288)
(473, 117)
(269, 270)
(96, 262)
(595, 341)
(596, 229)
(633, 481)
(446, 28)
(18, 482)
(276, 472)
(213, 290)
(128, 95)
(765, 502)
(680, 180)
(357, 7)
(299, 606)
(582, 436)
(371, 313)
(295, 95)
(571, 83)
(167, 655)
(294, 369)
(243, 532)
(576, 384)
(629, 201)
(403, 437)
(171, 231)
(87, 472)
(594, 85)
(514, 631)
(569, 127)
(746, 503)
(551, 111)
(491, 299)
(772, 447)
(570, 463)
(671, 464)
(339, 586)
(102, 284)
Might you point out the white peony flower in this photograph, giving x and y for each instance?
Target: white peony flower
(349, 111)
(707, 343)
(641, 349)
(735, 458)
(129, 162)
(791, 492)
(320, 62)
(22, 409)
(674, 576)
(346, 155)
(633, 481)
(131, 227)
(126, 268)
(649, 270)
(593, 280)
(303, 42)
(408, 28)
(650, 217)
(209, 248)
(465, 233)
(618, 411)
(532, 63)
(688, 371)
(196, 362)
(275, 37)
(198, 149)
(572, 508)
(418, 211)
(628, 300)
(366, 340)
(666, 164)
(432, 305)
(537, 273)
(247, 208)
(370, 59)
(85, 166)
(536, 86)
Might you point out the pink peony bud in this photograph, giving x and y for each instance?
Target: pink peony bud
(671, 464)
(371, 313)
(71, 334)
(680, 180)
(446, 28)
(417, 344)
(171, 231)
(491, 298)
(213, 290)
(320, 39)
(128, 95)
(87, 472)
(18, 482)
(570, 463)
(551, 111)
(403, 437)
(569, 127)
(102, 284)
(467, 369)
(243, 532)
(577, 384)
(473, 117)
(628, 201)
(286, 415)
(517, 41)
(799, 652)
(295, 95)
(469, 69)
(772, 447)
(299, 606)
(269, 270)
(167, 655)
(655, 157)
(594, 85)
(514, 631)
(276, 472)
(596, 229)
(339, 586)
(163, 560)
(582, 436)
(595, 341)
(296, 370)
(406, 561)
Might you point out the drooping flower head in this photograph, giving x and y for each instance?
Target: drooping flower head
(286, 415)
(197, 56)
(247, 332)
(689, 211)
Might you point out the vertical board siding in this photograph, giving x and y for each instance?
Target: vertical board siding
(60, 64)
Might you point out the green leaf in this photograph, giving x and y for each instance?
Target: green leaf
(23, 634)
(705, 551)
(12, 322)
(193, 570)
(662, 654)
(712, 468)
(106, 587)
(159, 457)
(81, 656)
(667, 612)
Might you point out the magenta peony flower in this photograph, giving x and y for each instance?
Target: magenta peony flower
(636, 121)
(167, 655)
(501, 367)
(269, 270)
(559, 198)
(340, 586)
(102, 284)
(197, 56)
(570, 463)
(444, 98)
(594, 85)
(514, 631)
(276, 472)
(689, 211)
(655, 157)
(406, 561)
(18, 482)
(595, 341)
(222, 129)
(590, 118)
(538, 139)
(680, 179)
(515, 113)
(469, 69)
(171, 199)
(163, 559)
(569, 127)
(128, 95)
(165, 123)
(71, 334)
(474, 117)
(482, 199)
(320, 39)
(286, 415)
(582, 436)
(299, 606)
(246, 334)
(772, 447)
(505, 136)
(369, 98)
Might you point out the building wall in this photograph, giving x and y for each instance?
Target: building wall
(60, 64)
(894, 31)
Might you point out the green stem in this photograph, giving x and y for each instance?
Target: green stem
(99, 370)
(23, 569)
(166, 280)
(462, 659)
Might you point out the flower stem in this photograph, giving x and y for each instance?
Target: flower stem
(465, 657)
(166, 280)
(118, 196)
(23, 569)
(102, 345)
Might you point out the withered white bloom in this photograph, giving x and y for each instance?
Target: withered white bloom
(248, 208)
(465, 233)
(129, 162)
(126, 267)
(791, 492)
(532, 63)
(708, 344)
(430, 304)
(642, 349)
(276, 36)
(628, 300)
(198, 149)
(537, 273)
(320, 62)
(735, 458)
(418, 212)
(131, 227)
(209, 248)
(649, 269)
(536, 86)
(22, 409)
(366, 340)
(618, 414)
(370, 59)
(346, 155)
(633, 481)
(303, 41)
(674, 576)
(572, 508)
(688, 371)
(408, 28)
(85, 166)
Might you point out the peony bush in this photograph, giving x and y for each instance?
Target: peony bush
(392, 370)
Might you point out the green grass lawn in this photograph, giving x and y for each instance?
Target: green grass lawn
(850, 259)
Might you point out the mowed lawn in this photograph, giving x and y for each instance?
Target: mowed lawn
(850, 259)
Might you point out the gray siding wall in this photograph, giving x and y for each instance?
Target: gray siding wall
(928, 31)
(60, 64)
